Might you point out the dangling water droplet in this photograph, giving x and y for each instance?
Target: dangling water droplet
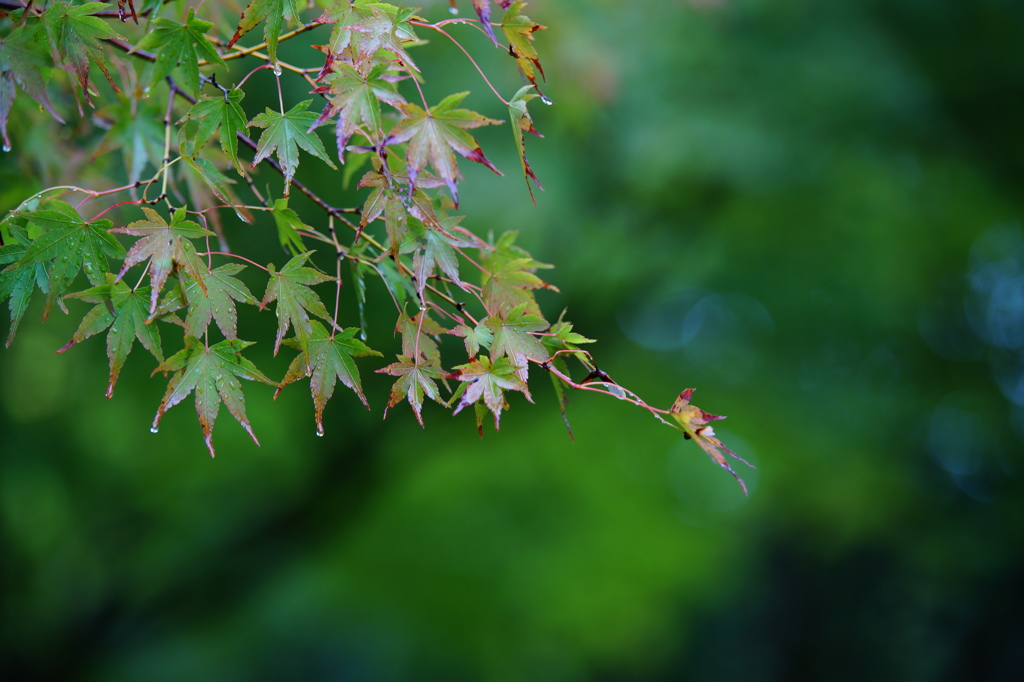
(453, 9)
(547, 100)
(154, 428)
(319, 431)
(7, 147)
(276, 69)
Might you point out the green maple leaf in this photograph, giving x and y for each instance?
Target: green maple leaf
(180, 45)
(78, 37)
(295, 300)
(435, 135)
(511, 279)
(519, 30)
(487, 379)
(275, 12)
(512, 337)
(123, 310)
(288, 226)
(213, 300)
(561, 337)
(330, 358)
(475, 337)
(695, 424)
(67, 245)
(213, 372)
(167, 247)
(219, 112)
(522, 122)
(19, 282)
(354, 98)
(416, 380)
(22, 64)
(285, 133)
(433, 248)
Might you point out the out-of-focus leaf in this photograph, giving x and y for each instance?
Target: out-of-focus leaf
(275, 12)
(78, 37)
(22, 63)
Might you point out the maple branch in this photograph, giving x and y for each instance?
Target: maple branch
(244, 51)
(472, 61)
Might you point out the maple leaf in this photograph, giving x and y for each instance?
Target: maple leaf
(510, 279)
(167, 247)
(179, 45)
(355, 99)
(223, 113)
(22, 64)
(419, 364)
(213, 300)
(435, 135)
(275, 12)
(285, 133)
(67, 245)
(77, 37)
(475, 337)
(213, 372)
(344, 15)
(330, 358)
(389, 200)
(386, 28)
(288, 226)
(125, 312)
(521, 121)
(433, 248)
(512, 338)
(137, 130)
(295, 300)
(695, 424)
(416, 380)
(487, 379)
(519, 30)
(19, 282)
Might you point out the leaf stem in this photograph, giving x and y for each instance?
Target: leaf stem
(472, 61)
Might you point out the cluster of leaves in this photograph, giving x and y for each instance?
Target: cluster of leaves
(170, 102)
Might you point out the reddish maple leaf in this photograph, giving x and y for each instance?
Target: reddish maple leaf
(435, 135)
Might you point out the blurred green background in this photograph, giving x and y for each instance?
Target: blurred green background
(809, 211)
